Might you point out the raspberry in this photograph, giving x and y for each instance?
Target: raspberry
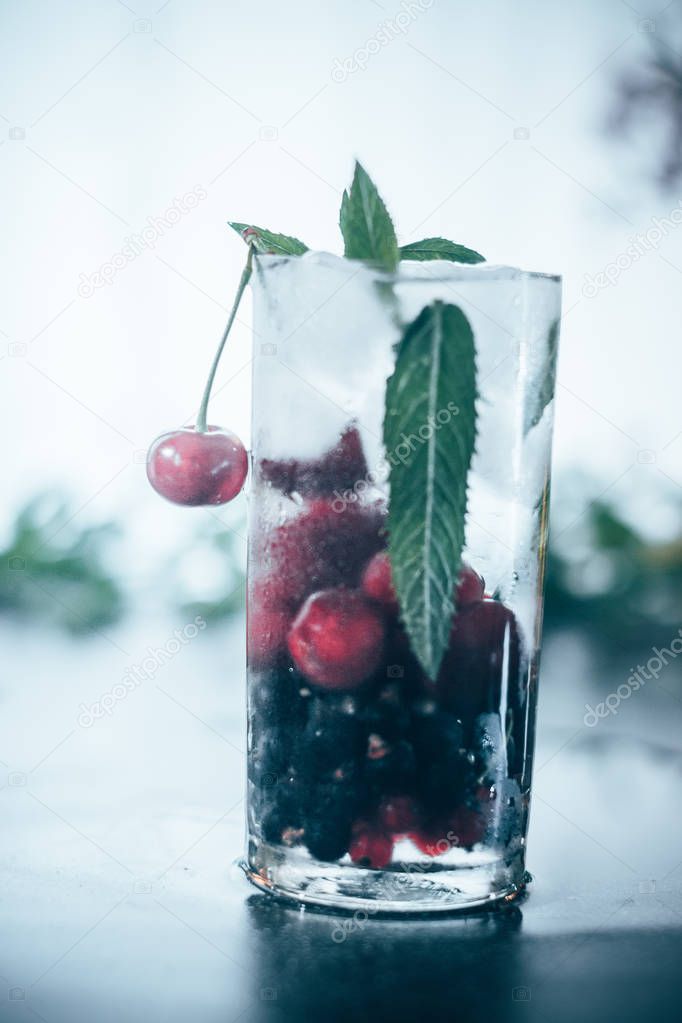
(337, 638)
(320, 548)
(468, 826)
(399, 815)
(433, 840)
(370, 846)
(462, 829)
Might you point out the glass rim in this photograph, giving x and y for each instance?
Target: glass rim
(455, 271)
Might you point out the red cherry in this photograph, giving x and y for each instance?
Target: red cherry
(338, 469)
(321, 548)
(192, 468)
(377, 582)
(470, 587)
(337, 638)
(483, 655)
(370, 847)
(398, 815)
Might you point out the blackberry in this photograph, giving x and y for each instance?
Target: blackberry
(269, 760)
(278, 700)
(327, 840)
(280, 813)
(333, 735)
(389, 768)
(444, 766)
(328, 820)
(386, 714)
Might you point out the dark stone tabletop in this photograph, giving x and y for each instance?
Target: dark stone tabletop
(121, 901)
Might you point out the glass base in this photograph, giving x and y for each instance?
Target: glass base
(402, 888)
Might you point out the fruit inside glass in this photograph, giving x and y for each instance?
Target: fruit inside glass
(371, 785)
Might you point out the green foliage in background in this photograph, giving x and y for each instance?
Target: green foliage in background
(52, 571)
(606, 579)
(227, 547)
(603, 577)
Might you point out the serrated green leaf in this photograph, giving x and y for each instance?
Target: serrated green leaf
(545, 390)
(429, 435)
(366, 226)
(440, 248)
(267, 242)
(343, 213)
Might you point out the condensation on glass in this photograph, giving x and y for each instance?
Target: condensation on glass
(384, 795)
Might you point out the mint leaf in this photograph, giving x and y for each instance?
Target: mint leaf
(429, 435)
(267, 242)
(440, 248)
(543, 394)
(366, 226)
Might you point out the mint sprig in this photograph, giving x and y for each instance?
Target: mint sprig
(366, 225)
(431, 399)
(368, 233)
(440, 248)
(429, 435)
(268, 242)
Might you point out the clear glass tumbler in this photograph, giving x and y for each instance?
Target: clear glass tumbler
(402, 793)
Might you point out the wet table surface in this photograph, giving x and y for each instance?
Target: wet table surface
(120, 898)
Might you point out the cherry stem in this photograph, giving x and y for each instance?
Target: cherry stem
(243, 281)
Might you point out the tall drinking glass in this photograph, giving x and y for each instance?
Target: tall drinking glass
(394, 791)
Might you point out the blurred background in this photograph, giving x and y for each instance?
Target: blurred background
(544, 135)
